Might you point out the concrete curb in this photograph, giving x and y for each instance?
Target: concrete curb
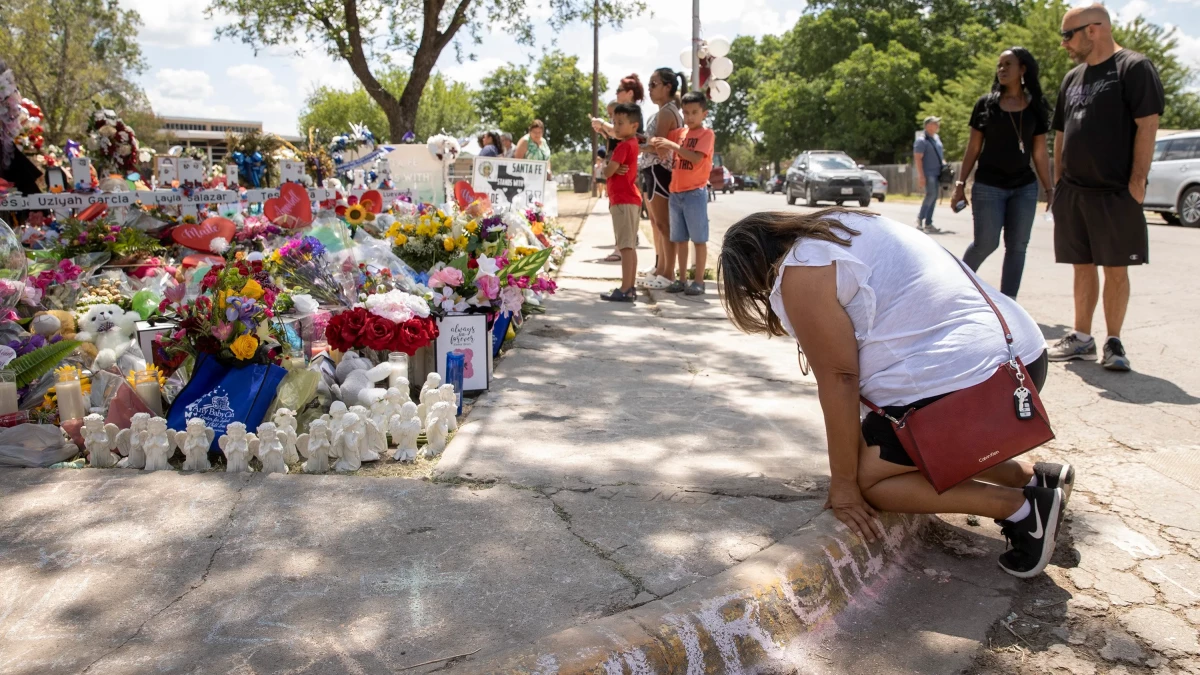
(749, 616)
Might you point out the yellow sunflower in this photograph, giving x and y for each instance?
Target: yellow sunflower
(461, 242)
(355, 215)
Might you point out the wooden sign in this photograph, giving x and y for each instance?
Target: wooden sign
(190, 171)
(291, 171)
(231, 176)
(81, 172)
(166, 170)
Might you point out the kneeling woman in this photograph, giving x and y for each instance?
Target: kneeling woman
(882, 311)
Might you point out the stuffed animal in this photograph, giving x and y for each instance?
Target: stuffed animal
(111, 329)
(358, 380)
(59, 322)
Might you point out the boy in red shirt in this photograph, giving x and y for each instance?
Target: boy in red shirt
(624, 199)
(693, 147)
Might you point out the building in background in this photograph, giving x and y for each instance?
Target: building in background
(209, 134)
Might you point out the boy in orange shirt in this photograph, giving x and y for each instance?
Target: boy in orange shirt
(693, 147)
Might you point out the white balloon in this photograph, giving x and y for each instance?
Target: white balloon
(718, 46)
(704, 52)
(721, 67)
(685, 57)
(719, 91)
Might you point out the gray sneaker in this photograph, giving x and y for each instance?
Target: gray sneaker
(1114, 355)
(1071, 347)
(695, 288)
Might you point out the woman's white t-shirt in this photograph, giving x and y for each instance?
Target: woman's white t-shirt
(922, 327)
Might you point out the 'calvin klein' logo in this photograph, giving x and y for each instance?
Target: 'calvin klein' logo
(986, 458)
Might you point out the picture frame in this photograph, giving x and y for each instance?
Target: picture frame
(467, 334)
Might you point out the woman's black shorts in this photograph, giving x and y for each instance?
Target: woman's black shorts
(878, 430)
(656, 180)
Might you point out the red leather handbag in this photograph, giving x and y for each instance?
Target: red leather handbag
(974, 429)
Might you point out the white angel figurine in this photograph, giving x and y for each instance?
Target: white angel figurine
(436, 432)
(405, 426)
(374, 440)
(345, 446)
(159, 445)
(236, 446)
(285, 421)
(269, 448)
(381, 412)
(99, 439)
(432, 381)
(451, 397)
(315, 447)
(130, 442)
(194, 441)
(430, 398)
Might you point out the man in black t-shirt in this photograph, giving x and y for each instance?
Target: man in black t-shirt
(1106, 119)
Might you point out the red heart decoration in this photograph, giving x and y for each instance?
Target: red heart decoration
(372, 200)
(291, 209)
(464, 194)
(199, 236)
(196, 259)
(97, 210)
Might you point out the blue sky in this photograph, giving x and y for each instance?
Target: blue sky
(192, 73)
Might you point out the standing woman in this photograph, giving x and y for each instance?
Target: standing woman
(491, 146)
(533, 145)
(1008, 129)
(666, 86)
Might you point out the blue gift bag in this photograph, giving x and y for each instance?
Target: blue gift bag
(221, 395)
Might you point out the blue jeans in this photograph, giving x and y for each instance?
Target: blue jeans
(1011, 211)
(925, 215)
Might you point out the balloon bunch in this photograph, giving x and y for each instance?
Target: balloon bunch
(251, 166)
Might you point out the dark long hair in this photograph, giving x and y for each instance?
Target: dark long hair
(675, 81)
(751, 253)
(1031, 83)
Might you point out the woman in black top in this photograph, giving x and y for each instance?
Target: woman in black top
(1008, 130)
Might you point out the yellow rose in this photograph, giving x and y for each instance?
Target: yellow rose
(472, 227)
(538, 228)
(400, 240)
(448, 244)
(244, 347)
(461, 242)
(252, 289)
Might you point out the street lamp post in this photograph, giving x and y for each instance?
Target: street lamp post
(596, 84)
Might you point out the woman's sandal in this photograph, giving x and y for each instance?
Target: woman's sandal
(613, 257)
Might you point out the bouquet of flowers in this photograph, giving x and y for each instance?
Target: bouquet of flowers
(302, 267)
(231, 317)
(113, 142)
(255, 231)
(29, 139)
(59, 286)
(427, 236)
(77, 237)
(394, 321)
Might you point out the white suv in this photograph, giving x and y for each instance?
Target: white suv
(1174, 188)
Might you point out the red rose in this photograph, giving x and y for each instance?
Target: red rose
(378, 333)
(345, 329)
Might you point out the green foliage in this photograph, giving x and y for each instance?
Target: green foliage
(40, 361)
(102, 236)
(445, 105)
(65, 53)
(572, 161)
(558, 93)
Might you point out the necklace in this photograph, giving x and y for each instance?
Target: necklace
(1020, 131)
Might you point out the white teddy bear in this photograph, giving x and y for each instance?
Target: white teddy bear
(111, 329)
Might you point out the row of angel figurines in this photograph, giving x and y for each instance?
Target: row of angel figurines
(347, 437)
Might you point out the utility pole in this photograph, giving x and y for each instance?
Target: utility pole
(595, 83)
(695, 45)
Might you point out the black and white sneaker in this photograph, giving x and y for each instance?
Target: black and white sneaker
(1051, 475)
(1114, 356)
(1032, 538)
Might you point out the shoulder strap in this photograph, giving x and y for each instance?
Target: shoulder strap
(932, 142)
(1008, 338)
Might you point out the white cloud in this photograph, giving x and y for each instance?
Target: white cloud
(1133, 9)
(472, 72)
(172, 24)
(182, 85)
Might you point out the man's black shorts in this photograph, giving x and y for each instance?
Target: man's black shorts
(879, 431)
(1099, 227)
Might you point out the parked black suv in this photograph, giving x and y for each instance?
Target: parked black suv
(828, 176)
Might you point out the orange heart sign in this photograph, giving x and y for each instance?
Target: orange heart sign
(372, 201)
(291, 209)
(199, 236)
(464, 194)
(197, 259)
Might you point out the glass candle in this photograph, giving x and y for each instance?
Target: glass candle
(8, 392)
(455, 365)
(69, 392)
(146, 386)
(399, 363)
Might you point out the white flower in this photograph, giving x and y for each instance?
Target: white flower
(417, 305)
(487, 266)
(218, 245)
(393, 305)
(304, 304)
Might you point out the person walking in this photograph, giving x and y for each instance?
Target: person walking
(655, 165)
(1106, 118)
(881, 312)
(1008, 128)
(927, 155)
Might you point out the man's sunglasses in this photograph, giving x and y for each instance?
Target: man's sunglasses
(1070, 32)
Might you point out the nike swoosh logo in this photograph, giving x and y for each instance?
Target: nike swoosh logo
(1038, 533)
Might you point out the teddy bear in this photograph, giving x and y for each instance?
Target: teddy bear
(111, 329)
(59, 322)
(357, 380)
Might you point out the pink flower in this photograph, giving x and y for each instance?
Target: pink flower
(222, 331)
(489, 287)
(512, 299)
(447, 276)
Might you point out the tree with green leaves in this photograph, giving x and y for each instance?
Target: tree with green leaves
(445, 107)
(558, 93)
(67, 53)
(364, 33)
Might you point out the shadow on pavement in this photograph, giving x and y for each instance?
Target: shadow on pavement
(1132, 387)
